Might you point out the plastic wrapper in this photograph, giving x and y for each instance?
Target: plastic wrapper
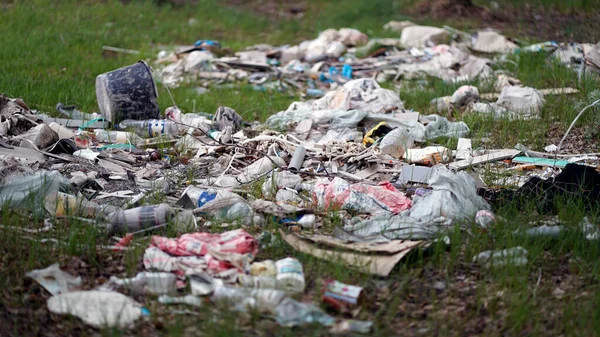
(197, 252)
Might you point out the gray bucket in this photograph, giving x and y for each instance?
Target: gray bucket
(127, 93)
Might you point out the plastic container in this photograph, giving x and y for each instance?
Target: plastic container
(290, 275)
(151, 128)
(260, 282)
(127, 93)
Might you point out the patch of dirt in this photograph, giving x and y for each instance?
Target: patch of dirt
(579, 140)
(521, 20)
(454, 8)
(279, 9)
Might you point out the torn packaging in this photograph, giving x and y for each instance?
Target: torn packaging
(198, 252)
(383, 198)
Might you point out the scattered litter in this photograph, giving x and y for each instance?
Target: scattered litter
(293, 313)
(350, 148)
(55, 280)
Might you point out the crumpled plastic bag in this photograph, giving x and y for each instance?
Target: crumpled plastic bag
(327, 44)
(525, 101)
(463, 95)
(423, 36)
(363, 94)
(235, 241)
(438, 127)
(97, 308)
(227, 118)
(394, 227)
(279, 180)
(489, 41)
(335, 118)
(363, 198)
(454, 198)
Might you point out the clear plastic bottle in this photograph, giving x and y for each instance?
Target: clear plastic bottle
(290, 275)
(151, 128)
(121, 137)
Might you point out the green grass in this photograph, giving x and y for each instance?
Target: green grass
(51, 52)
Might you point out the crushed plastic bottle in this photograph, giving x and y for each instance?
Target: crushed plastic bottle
(152, 128)
(155, 283)
(516, 256)
(187, 299)
(120, 137)
(293, 313)
(264, 300)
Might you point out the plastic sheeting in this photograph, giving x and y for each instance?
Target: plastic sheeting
(21, 191)
(454, 198)
(423, 36)
(489, 41)
(525, 101)
(363, 94)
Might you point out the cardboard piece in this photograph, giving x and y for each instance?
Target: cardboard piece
(381, 261)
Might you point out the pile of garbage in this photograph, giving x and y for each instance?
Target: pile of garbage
(356, 151)
(337, 56)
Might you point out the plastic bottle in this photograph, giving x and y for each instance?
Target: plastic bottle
(187, 299)
(155, 283)
(290, 275)
(151, 128)
(139, 218)
(120, 137)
